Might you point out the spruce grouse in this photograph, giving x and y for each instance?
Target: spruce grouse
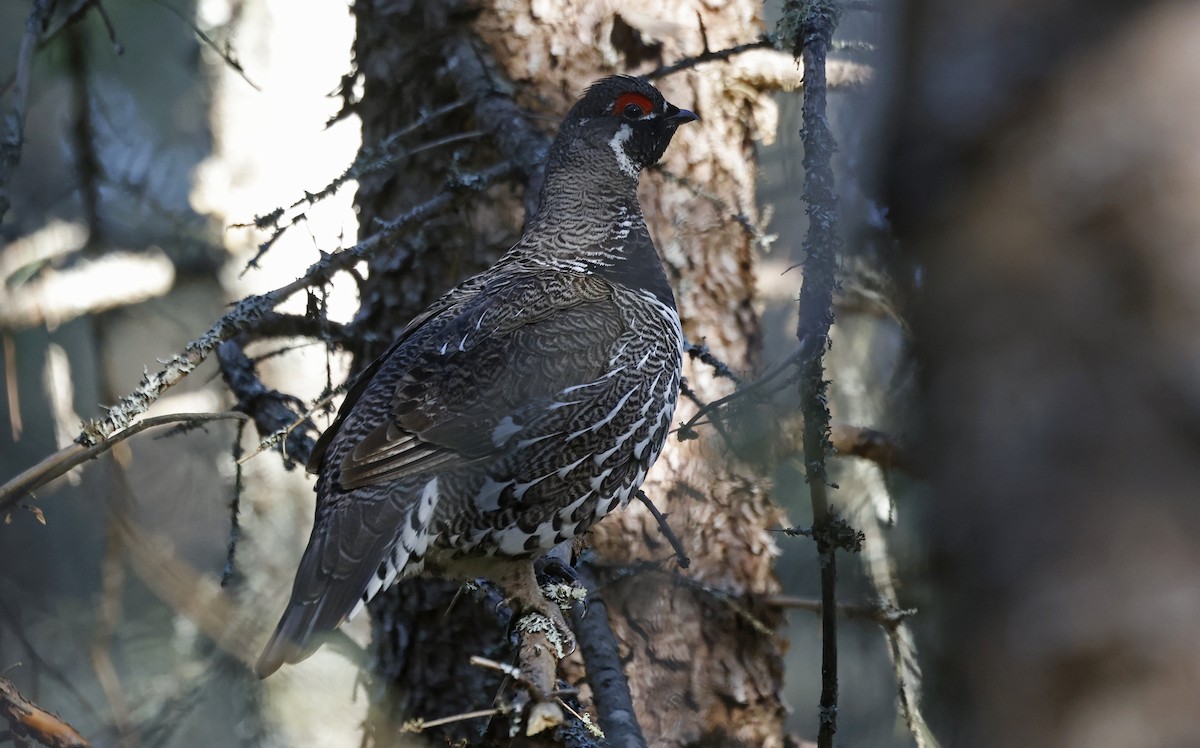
(521, 407)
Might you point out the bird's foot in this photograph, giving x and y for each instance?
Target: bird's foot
(552, 569)
(541, 606)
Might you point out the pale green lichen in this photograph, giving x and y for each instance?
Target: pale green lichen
(536, 623)
(564, 595)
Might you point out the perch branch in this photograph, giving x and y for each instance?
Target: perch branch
(605, 673)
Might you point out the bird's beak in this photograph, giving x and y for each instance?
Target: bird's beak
(677, 116)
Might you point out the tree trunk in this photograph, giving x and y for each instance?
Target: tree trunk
(703, 667)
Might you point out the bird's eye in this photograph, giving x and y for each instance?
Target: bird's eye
(632, 105)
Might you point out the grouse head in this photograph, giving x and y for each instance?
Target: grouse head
(623, 119)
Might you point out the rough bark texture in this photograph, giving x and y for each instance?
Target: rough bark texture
(704, 668)
(1050, 189)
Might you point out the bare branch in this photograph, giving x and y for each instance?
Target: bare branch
(12, 137)
(762, 67)
(367, 163)
(63, 460)
(720, 368)
(28, 720)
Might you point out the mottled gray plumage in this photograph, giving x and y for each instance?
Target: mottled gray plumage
(521, 407)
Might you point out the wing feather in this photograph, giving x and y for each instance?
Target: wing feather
(472, 372)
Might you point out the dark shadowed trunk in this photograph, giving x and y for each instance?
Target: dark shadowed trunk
(1048, 176)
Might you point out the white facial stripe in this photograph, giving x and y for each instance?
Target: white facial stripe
(618, 147)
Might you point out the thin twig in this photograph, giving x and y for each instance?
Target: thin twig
(62, 461)
(720, 368)
(420, 725)
(687, 431)
(12, 136)
(235, 505)
(360, 168)
(708, 56)
(225, 54)
(887, 616)
(815, 21)
(681, 556)
(118, 48)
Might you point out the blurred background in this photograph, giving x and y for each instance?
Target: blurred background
(1018, 312)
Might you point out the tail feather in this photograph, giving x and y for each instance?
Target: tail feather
(344, 566)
